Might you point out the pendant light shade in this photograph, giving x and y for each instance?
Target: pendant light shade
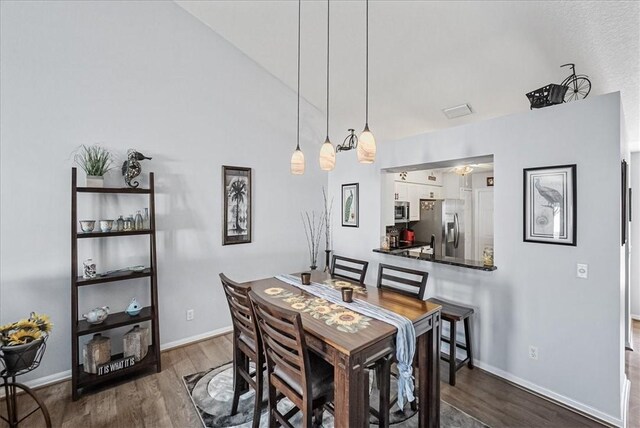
(367, 143)
(297, 162)
(297, 158)
(327, 156)
(366, 147)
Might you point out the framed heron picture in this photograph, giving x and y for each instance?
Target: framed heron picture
(236, 197)
(550, 205)
(350, 205)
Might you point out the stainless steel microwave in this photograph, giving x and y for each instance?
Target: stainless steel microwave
(401, 212)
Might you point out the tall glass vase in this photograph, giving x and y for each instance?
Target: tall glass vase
(327, 260)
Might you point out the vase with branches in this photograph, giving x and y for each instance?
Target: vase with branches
(328, 208)
(313, 231)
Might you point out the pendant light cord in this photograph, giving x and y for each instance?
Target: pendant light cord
(328, 16)
(366, 116)
(298, 136)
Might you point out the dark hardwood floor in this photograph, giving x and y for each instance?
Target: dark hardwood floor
(160, 400)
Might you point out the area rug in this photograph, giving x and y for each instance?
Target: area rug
(211, 392)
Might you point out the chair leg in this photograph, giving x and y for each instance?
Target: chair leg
(237, 355)
(383, 369)
(317, 416)
(452, 353)
(257, 406)
(467, 340)
(273, 404)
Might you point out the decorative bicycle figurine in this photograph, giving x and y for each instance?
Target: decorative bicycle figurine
(23, 345)
(579, 85)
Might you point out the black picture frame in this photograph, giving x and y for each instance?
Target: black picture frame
(350, 198)
(237, 205)
(624, 180)
(550, 205)
(490, 181)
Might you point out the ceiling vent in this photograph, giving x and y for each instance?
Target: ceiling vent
(457, 111)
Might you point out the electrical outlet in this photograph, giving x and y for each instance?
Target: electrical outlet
(533, 352)
(582, 270)
(190, 314)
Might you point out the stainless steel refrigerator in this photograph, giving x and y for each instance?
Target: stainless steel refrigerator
(444, 219)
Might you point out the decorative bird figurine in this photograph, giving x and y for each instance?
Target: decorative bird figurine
(131, 168)
(552, 196)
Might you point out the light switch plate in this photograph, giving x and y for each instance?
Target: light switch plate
(582, 270)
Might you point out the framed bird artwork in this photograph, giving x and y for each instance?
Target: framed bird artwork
(350, 205)
(550, 205)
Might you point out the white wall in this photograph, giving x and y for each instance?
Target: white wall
(534, 297)
(145, 75)
(634, 183)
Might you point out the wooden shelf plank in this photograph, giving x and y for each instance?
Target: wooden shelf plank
(123, 190)
(119, 319)
(88, 379)
(117, 276)
(108, 234)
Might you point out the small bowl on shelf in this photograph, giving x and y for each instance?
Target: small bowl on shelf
(87, 225)
(106, 225)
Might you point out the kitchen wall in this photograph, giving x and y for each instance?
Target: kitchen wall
(145, 75)
(534, 297)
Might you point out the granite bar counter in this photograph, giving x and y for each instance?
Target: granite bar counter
(452, 261)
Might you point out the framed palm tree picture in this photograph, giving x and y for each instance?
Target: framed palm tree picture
(550, 205)
(350, 205)
(236, 196)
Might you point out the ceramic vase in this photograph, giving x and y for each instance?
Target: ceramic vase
(95, 181)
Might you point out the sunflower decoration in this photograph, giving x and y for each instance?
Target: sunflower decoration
(299, 306)
(36, 327)
(348, 321)
(273, 291)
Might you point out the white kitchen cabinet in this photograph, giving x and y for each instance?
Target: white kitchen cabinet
(415, 190)
(430, 192)
(402, 192)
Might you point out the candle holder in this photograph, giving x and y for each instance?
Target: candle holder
(347, 294)
(305, 277)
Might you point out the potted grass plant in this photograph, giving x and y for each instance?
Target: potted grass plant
(21, 342)
(95, 161)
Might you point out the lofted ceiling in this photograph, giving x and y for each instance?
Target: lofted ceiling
(429, 55)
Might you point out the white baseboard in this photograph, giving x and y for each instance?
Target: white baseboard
(196, 338)
(626, 396)
(635, 317)
(555, 397)
(66, 375)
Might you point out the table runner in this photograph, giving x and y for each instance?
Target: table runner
(405, 339)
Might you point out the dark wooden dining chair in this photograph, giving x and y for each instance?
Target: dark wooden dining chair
(292, 370)
(247, 347)
(402, 280)
(352, 269)
(412, 283)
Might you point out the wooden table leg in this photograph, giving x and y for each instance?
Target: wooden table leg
(428, 346)
(351, 393)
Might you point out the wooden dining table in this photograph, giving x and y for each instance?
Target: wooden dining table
(352, 342)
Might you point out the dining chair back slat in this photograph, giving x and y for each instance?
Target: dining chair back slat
(402, 280)
(353, 269)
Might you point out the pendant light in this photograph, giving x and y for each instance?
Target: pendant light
(297, 159)
(327, 151)
(367, 143)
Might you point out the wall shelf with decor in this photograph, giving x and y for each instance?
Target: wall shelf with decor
(79, 327)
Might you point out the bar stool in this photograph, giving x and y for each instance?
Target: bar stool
(452, 313)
